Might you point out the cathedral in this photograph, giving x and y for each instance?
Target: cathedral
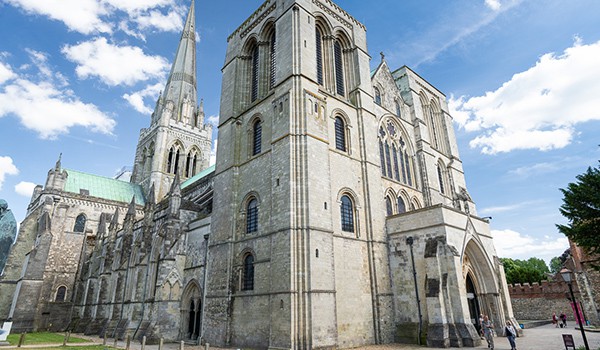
(337, 214)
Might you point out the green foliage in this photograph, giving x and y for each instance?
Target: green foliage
(43, 338)
(524, 271)
(555, 264)
(581, 206)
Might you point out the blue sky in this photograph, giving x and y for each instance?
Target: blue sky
(79, 77)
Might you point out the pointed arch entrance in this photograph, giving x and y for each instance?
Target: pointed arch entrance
(473, 301)
(191, 311)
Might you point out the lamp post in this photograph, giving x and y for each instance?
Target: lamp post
(568, 277)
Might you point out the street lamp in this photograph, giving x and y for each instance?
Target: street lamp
(567, 275)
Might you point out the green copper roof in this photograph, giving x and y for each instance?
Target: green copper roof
(103, 187)
(198, 176)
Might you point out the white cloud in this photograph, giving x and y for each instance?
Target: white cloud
(136, 99)
(43, 105)
(156, 19)
(114, 65)
(131, 6)
(213, 120)
(78, 15)
(513, 244)
(25, 188)
(493, 4)
(5, 73)
(6, 168)
(538, 108)
(508, 208)
(535, 169)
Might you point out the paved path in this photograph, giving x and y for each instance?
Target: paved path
(541, 338)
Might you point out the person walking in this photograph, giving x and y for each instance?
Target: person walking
(511, 334)
(563, 320)
(488, 331)
(554, 320)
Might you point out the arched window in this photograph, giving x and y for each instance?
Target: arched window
(170, 160)
(398, 110)
(257, 137)
(79, 223)
(339, 68)
(377, 96)
(272, 59)
(401, 205)
(176, 166)
(347, 212)
(340, 134)
(252, 216)
(194, 161)
(388, 206)
(441, 178)
(61, 293)
(248, 277)
(319, 49)
(188, 165)
(254, 76)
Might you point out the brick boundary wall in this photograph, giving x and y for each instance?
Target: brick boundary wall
(539, 300)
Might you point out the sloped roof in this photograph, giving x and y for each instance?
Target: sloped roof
(103, 187)
(198, 176)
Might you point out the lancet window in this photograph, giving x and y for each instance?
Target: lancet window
(397, 161)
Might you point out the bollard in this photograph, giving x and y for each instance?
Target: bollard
(115, 343)
(143, 342)
(128, 344)
(206, 346)
(181, 345)
(21, 339)
(160, 343)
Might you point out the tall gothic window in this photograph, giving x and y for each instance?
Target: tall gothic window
(339, 68)
(188, 165)
(254, 77)
(441, 178)
(252, 216)
(340, 134)
(272, 58)
(388, 161)
(388, 206)
(176, 165)
(319, 49)
(396, 163)
(256, 137)
(401, 205)
(170, 160)
(377, 96)
(347, 212)
(248, 276)
(194, 161)
(79, 223)
(61, 293)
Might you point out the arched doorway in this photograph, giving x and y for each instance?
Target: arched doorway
(191, 312)
(474, 309)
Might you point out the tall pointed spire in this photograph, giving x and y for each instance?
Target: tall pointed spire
(181, 84)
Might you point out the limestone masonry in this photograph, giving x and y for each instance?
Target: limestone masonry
(337, 214)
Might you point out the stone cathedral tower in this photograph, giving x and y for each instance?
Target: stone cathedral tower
(177, 141)
(328, 176)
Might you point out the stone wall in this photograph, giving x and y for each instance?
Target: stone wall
(538, 301)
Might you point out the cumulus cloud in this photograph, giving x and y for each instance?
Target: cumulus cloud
(6, 73)
(98, 16)
(136, 99)
(25, 188)
(43, 104)
(6, 168)
(513, 244)
(538, 108)
(78, 15)
(114, 65)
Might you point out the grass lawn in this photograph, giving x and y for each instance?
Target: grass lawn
(44, 338)
(83, 347)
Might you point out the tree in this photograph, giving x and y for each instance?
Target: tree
(524, 271)
(555, 264)
(581, 206)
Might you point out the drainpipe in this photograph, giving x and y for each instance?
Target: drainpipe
(409, 241)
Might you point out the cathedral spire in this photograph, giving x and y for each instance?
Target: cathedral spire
(181, 85)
